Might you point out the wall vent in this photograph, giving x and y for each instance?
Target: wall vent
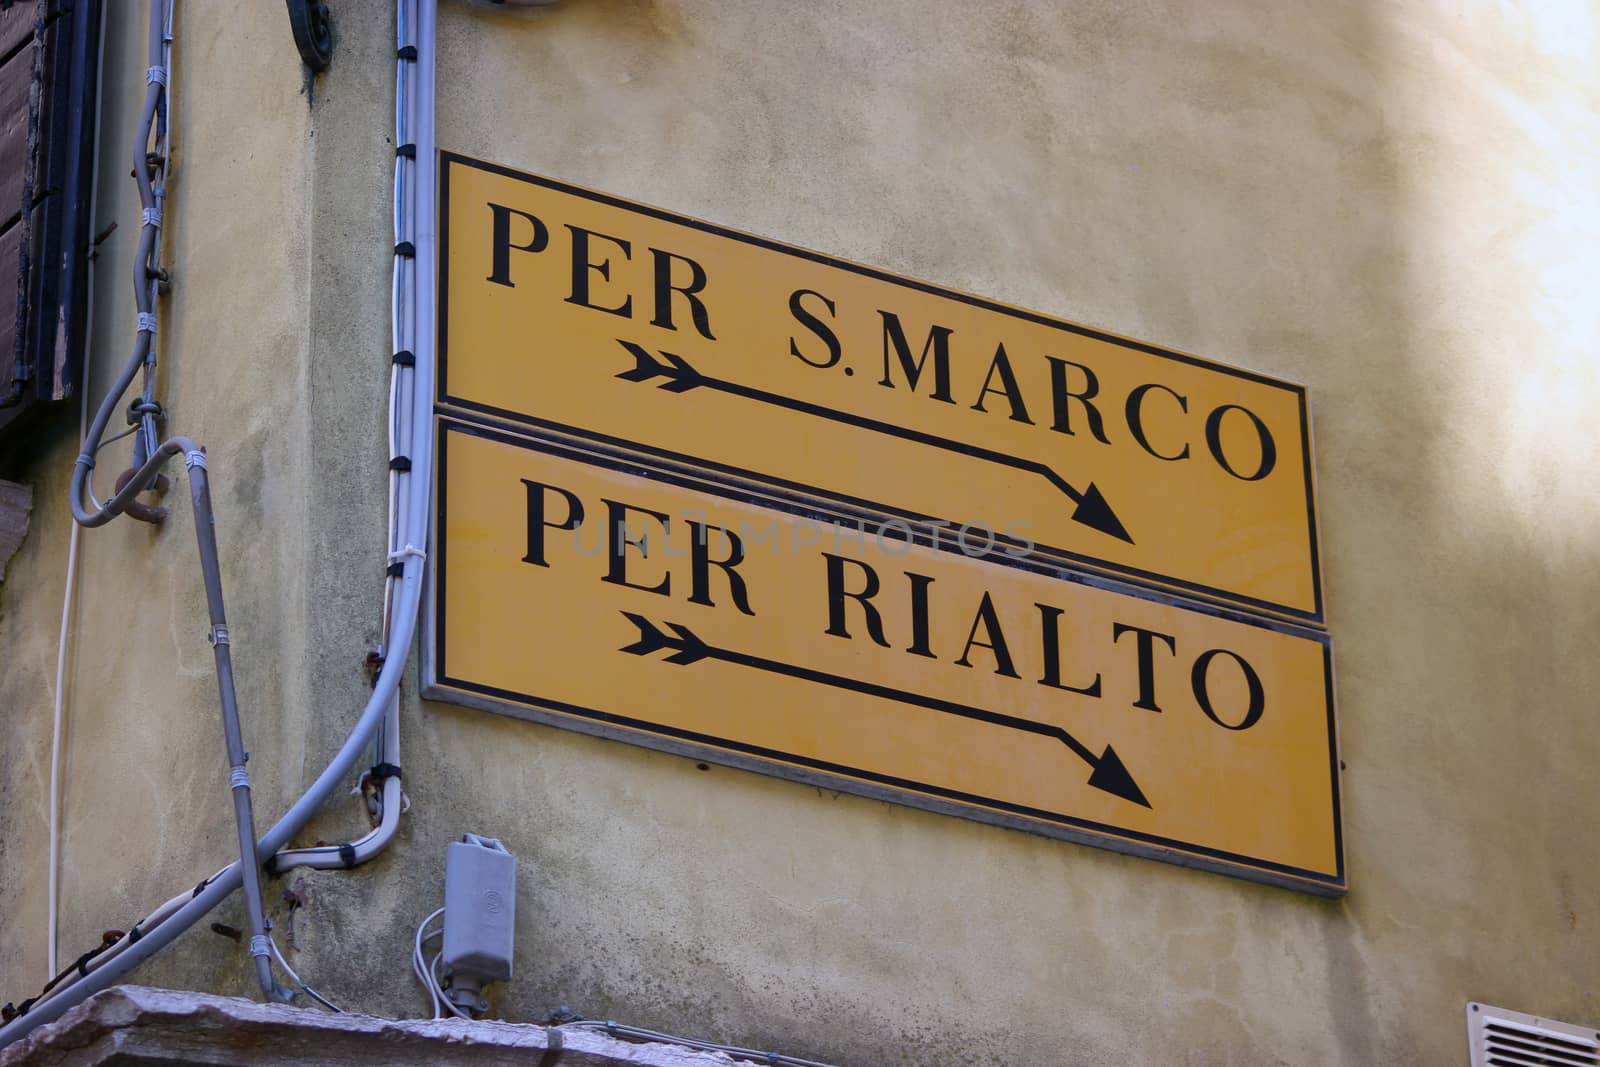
(1501, 1038)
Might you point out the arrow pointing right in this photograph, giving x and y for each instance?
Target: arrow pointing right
(1090, 509)
(1109, 773)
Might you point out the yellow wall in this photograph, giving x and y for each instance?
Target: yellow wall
(1391, 203)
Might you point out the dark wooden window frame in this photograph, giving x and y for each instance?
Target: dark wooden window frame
(42, 335)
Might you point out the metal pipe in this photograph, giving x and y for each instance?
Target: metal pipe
(233, 737)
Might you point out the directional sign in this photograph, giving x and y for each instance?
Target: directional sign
(758, 362)
(673, 611)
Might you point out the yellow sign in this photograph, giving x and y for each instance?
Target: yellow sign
(679, 614)
(581, 313)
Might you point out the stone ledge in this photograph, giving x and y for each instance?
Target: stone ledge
(137, 1024)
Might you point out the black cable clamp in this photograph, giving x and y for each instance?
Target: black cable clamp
(405, 359)
(145, 407)
(396, 569)
(271, 866)
(406, 249)
(406, 151)
(381, 771)
(8, 1011)
(409, 53)
(400, 463)
(134, 934)
(82, 963)
(347, 855)
(201, 885)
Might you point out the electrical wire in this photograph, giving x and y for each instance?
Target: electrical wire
(416, 960)
(297, 980)
(183, 911)
(390, 799)
(70, 583)
(427, 971)
(438, 984)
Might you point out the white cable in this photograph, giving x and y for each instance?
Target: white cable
(57, 718)
(297, 980)
(418, 967)
(438, 987)
(70, 587)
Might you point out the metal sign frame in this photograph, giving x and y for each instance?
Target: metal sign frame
(653, 366)
(628, 724)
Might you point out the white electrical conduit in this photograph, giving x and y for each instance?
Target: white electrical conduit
(182, 912)
(403, 300)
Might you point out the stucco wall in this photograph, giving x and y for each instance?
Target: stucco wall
(1392, 203)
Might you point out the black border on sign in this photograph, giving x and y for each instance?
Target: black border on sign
(439, 685)
(447, 159)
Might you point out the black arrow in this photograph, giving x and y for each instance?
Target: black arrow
(1109, 773)
(1091, 508)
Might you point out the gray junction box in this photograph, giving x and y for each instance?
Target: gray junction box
(480, 911)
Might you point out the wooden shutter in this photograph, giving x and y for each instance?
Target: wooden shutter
(46, 159)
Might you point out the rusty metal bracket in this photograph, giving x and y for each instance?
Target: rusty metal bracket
(151, 513)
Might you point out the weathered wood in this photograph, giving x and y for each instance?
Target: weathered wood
(16, 503)
(10, 262)
(16, 78)
(17, 21)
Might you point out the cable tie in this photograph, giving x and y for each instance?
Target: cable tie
(147, 322)
(381, 771)
(405, 249)
(405, 359)
(405, 151)
(347, 855)
(408, 53)
(259, 945)
(196, 458)
(218, 636)
(409, 552)
(85, 460)
(237, 777)
(83, 964)
(400, 463)
(156, 76)
(152, 216)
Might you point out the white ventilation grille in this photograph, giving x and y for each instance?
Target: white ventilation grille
(1501, 1038)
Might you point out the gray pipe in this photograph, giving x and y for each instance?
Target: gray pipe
(238, 776)
(338, 769)
(150, 457)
